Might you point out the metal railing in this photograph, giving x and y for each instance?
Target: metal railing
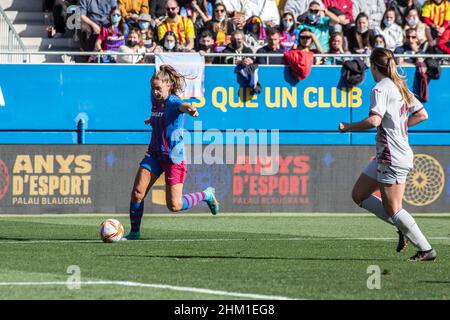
(97, 55)
(10, 42)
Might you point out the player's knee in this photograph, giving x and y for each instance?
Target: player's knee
(174, 206)
(357, 197)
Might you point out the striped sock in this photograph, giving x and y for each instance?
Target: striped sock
(136, 212)
(192, 199)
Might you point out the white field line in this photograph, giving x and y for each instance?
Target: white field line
(213, 239)
(150, 285)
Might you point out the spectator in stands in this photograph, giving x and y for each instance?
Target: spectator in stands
(200, 14)
(379, 41)
(391, 31)
(287, 31)
(412, 21)
(360, 36)
(374, 9)
(443, 42)
(220, 26)
(237, 45)
(255, 33)
(401, 7)
(131, 9)
(148, 37)
(306, 40)
(411, 46)
(337, 46)
(157, 10)
(238, 10)
(112, 35)
(93, 15)
(273, 46)
(267, 10)
(318, 23)
(299, 8)
(169, 43)
(343, 9)
(133, 44)
(436, 14)
(206, 45)
(60, 15)
(181, 26)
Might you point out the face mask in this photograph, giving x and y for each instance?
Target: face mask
(169, 45)
(379, 45)
(388, 23)
(220, 19)
(205, 47)
(115, 19)
(131, 43)
(235, 44)
(412, 21)
(144, 25)
(172, 14)
(287, 24)
(312, 16)
(363, 30)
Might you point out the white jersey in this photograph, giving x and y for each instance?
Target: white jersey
(392, 134)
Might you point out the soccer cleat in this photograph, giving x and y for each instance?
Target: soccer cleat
(132, 236)
(211, 201)
(428, 255)
(402, 241)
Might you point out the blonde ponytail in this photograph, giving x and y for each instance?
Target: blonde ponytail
(385, 63)
(168, 74)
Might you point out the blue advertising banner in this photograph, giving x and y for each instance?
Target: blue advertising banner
(45, 103)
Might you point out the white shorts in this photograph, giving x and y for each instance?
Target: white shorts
(385, 173)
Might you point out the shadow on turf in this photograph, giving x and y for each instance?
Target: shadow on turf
(434, 282)
(250, 258)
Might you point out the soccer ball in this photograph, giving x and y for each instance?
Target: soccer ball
(111, 230)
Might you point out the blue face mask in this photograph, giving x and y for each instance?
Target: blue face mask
(287, 24)
(312, 16)
(115, 19)
(388, 23)
(144, 25)
(413, 21)
(221, 19)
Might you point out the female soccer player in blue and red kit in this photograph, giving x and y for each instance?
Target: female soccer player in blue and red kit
(166, 151)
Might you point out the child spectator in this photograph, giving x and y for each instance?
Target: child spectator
(287, 31)
(436, 14)
(360, 35)
(134, 44)
(337, 46)
(391, 31)
(112, 35)
(379, 41)
(255, 33)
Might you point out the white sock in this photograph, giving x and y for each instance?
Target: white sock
(374, 205)
(406, 223)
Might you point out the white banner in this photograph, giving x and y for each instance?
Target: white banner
(190, 65)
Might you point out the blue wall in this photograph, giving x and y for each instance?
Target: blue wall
(43, 104)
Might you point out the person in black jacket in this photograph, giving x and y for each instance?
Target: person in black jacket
(157, 8)
(238, 45)
(273, 46)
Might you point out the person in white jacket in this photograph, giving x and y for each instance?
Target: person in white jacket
(392, 32)
(299, 7)
(373, 8)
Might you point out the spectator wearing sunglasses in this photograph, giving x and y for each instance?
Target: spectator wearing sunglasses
(220, 26)
(287, 31)
(181, 26)
(307, 41)
(411, 46)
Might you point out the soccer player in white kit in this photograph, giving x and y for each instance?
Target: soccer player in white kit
(393, 108)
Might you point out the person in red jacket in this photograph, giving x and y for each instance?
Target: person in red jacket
(342, 8)
(444, 42)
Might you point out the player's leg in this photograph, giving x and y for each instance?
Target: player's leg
(176, 201)
(363, 196)
(392, 191)
(363, 190)
(148, 172)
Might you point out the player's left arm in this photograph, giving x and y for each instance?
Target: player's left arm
(189, 109)
(417, 117)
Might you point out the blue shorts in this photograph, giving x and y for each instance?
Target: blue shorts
(174, 172)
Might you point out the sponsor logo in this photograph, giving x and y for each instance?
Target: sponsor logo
(4, 179)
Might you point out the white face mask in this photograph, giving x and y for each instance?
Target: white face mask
(362, 30)
(412, 21)
(169, 45)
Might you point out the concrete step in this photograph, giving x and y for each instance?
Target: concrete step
(26, 17)
(31, 30)
(22, 5)
(49, 44)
